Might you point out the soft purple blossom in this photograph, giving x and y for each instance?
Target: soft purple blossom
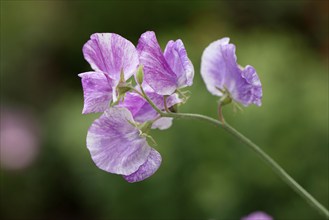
(109, 55)
(257, 216)
(117, 146)
(220, 71)
(164, 71)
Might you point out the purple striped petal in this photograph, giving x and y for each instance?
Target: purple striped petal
(176, 56)
(97, 92)
(257, 216)
(115, 144)
(151, 165)
(110, 53)
(157, 72)
(219, 70)
(141, 110)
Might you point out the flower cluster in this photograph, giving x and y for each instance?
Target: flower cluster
(118, 139)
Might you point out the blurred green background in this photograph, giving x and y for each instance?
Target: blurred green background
(46, 170)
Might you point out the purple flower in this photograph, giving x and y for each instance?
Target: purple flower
(257, 216)
(168, 71)
(142, 111)
(117, 146)
(222, 74)
(109, 55)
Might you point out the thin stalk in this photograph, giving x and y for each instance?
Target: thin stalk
(165, 103)
(266, 158)
(150, 101)
(220, 113)
(251, 145)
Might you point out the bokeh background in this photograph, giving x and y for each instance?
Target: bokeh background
(46, 170)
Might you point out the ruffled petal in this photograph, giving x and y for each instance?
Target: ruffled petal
(115, 144)
(176, 56)
(111, 53)
(97, 92)
(250, 92)
(147, 169)
(220, 71)
(157, 72)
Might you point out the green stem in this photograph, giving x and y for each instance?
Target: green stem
(266, 158)
(150, 101)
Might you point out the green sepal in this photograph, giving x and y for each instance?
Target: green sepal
(123, 89)
(122, 76)
(149, 137)
(145, 127)
(185, 95)
(225, 99)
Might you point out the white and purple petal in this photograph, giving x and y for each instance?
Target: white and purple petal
(162, 123)
(213, 67)
(110, 53)
(220, 71)
(97, 92)
(141, 110)
(176, 56)
(146, 170)
(115, 144)
(157, 72)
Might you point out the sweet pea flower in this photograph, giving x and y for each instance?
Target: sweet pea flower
(222, 74)
(113, 59)
(164, 72)
(257, 216)
(117, 146)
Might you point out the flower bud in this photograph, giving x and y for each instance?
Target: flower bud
(140, 75)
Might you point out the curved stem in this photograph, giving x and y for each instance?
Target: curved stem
(220, 113)
(266, 158)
